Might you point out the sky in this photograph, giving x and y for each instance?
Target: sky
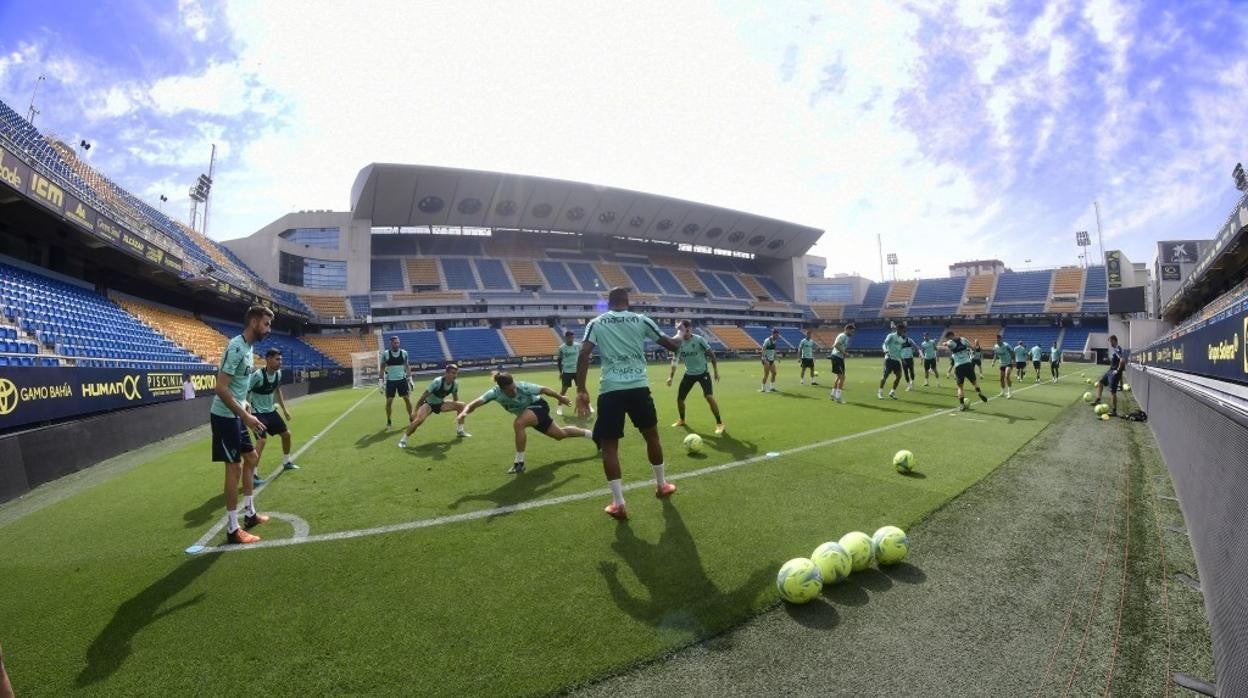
(953, 130)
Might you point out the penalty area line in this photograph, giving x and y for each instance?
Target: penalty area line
(553, 501)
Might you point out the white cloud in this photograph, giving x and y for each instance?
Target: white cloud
(194, 18)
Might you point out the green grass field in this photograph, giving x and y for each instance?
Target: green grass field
(97, 593)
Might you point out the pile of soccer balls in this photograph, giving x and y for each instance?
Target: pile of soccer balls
(802, 578)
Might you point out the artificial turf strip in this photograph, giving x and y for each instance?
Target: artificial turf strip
(999, 596)
(96, 593)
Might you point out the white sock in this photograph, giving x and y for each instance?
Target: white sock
(287, 458)
(519, 456)
(249, 506)
(459, 428)
(617, 491)
(659, 478)
(232, 521)
(587, 433)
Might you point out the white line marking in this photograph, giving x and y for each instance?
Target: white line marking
(301, 527)
(564, 499)
(220, 524)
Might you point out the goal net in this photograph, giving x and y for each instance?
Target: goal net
(364, 369)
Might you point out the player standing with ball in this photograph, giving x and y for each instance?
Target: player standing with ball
(694, 352)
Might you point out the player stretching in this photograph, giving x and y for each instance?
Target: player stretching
(840, 349)
(1020, 360)
(525, 401)
(694, 351)
(1036, 354)
(566, 360)
(928, 347)
(806, 350)
(1055, 363)
(433, 401)
(892, 347)
(624, 390)
(231, 444)
(397, 372)
(963, 367)
(1112, 377)
(264, 385)
(1002, 354)
(769, 362)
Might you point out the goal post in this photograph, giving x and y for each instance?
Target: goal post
(364, 369)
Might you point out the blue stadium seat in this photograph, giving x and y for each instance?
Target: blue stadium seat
(1044, 335)
(774, 289)
(712, 283)
(295, 352)
(557, 275)
(642, 281)
(792, 335)
(458, 273)
(475, 343)
(396, 245)
(1023, 287)
(422, 346)
(387, 275)
(873, 301)
(1096, 285)
(668, 282)
(360, 305)
(939, 292)
(734, 286)
(587, 277)
(493, 275)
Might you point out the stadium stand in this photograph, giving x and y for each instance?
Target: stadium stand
(759, 333)
(422, 272)
(1095, 290)
(773, 289)
(734, 286)
(752, 285)
(979, 290)
(493, 275)
(295, 353)
(394, 245)
(474, 343)
(1076, 338)
(792, 335)
(557, 275)
(934, 297)
(442, 245)
(340, 347)
(828, 312)
(360, 305)
(189, 332)
(326, 306)
(690, 280)
(873, 302)
(1022, 292)
(613, 275)
(531, 340)
(586, 276)
(715, 263)
(985, 334)
(423, 346)
(525, 272)
(1031, 335)
(1067, 285)
(667, 281)
(869, 339)
(423, 296)
(897, 302)
(641, 279)
(712, 284)
(386, 275)
(825, 336)
(458, 274)
(712, 340)
(734, 338)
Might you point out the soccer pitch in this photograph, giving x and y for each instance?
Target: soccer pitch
(431, 571)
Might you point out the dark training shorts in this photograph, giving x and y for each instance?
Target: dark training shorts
(229, 439)
(635, 403)
(274, 425)
(838, 365)
(688, 381)
(566, 380)
(398, 387)
(541, 408)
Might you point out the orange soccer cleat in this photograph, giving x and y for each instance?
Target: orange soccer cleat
(616, 511)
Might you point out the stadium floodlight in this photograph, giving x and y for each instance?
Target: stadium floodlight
(1241, 180)
(1082, 239)
(892, 258)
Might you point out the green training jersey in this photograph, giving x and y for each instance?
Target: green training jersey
(1055, 355)
(394, 362)
(237, 363)
(961, 351)
(438, 390)
(1002, 353)
(526, 394)
(840, 345)
(769, 349)
(893, 344)
(692, 353)
(263, 388)
(1036, 353)
(929, 348)
(806, 348)
(1020, 353)
(620, 336)
(907, 349)
(568, 355)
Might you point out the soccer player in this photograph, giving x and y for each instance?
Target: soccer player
(908, 349)
(892, 346)
(694, 352)
(565, 358)
(433, 401)
(1055, 363)
(840, 348)
(396, 372)
(624, 390)
(1020, 360)
(963, 367)
(231, 444)
(806, 350)
(1036, 354)
(265, 384)
(1112, 377)
(979, 359)
(1002, 354)
(769, 362)
(525, 401)
(928, 347)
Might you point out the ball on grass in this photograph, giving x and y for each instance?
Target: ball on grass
(858, 545)
(1126, 387)
(693, 443)
(1105, 417)
(1101, 409)
(903, 461)
(890, 545)
(1087, 397)
(834, 562)
(798, 580)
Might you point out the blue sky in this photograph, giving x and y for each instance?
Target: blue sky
(955, 130)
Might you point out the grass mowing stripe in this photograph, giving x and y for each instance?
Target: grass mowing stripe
(1122, 592)
(200, 548)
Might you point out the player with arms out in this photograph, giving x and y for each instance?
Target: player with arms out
(623, 391)
(265, 385)
(1003, 355)
(806, 350)
(565, 359)
(694, 352)
(231, 444)
(928, 349)
(769, 362)
(1036, 355)
(433, 401)
(963, 367)
(395, 371)
(1112, 377)
(893, 344)
(838, 354)
(1055, 363)
(525, 401)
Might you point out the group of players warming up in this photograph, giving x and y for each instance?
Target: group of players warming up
(247, 400)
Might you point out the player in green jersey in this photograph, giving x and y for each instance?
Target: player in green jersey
(433, 401)
(838, 354)
(769, 362)
(963, 367)
(694, 352)
(806, 352)
(525, 401)
(1003, 355)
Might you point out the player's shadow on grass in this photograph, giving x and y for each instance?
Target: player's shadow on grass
(435, 450)
(727, 443)
(882, 407)
(205, 512)
(530, 485)
(1009, 418)
(376, 437)
(679, 596)
(109, 650)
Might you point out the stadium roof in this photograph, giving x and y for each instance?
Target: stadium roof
(420, 195)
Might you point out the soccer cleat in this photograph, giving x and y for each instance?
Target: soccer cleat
(462, 434)
(516, 468)
(678, 423)
(962, 406)
(387, 424)
(256, 480)
(892, 394)
(925, 384)
(616, 511)
(402, 443)
(253, 520)
(241, 537)
(983, 397)
(814, 382)
(665, 490)
(879, 394)
(801, 381)
(719, 428)
(841, 399)
(289, 465)
(1009, 395)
